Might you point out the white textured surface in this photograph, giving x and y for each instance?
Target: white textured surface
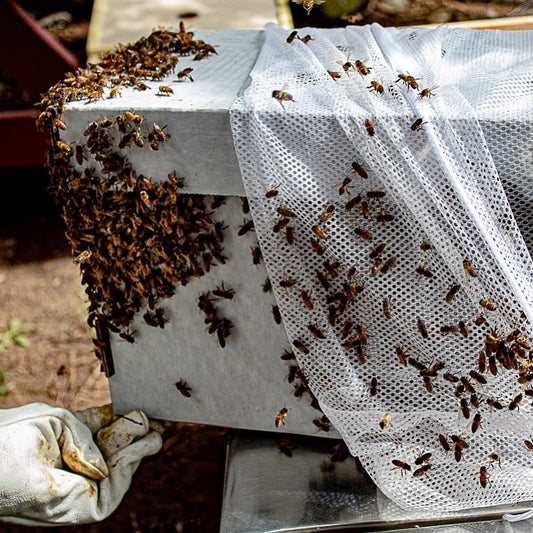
(443, 186)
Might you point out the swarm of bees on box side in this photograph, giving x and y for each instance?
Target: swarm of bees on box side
(335, 290)
(133, 239)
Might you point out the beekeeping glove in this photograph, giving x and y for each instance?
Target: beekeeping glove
(53, 472)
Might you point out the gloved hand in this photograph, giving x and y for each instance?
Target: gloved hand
(51, 470)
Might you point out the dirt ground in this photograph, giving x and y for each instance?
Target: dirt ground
(180, 489)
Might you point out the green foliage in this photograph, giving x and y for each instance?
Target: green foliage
(334, 9)
(14, 335)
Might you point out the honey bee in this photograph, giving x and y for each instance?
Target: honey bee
(427, 383)
(480, 320)
(402, 465)
(376, 267)
(353, 202)
(384, 217)
(282, 96)
(328, 212)
(287, 355)
(141, 86)
(448, 376)
(83, 257)
(369, 126)
(373, 195)
(246, 227)
(347, 65)
(305, 39)
(515, 402)
(486, 304)
(483, 476)
(316, 332)
(478, 377)
(469, 270)
(388, 265)
(339, 452)
(476, 422)
(363, 69)
(426, 93)
(64, 147)
(422, 328)
(529, 444)
(385, 420)
(223, 293)
(346, 329)
(306, 298)
(285, 212)
(373, 386)
(133, 117)
(245, 205)
(449, 329)
(387, 308)
(409, 81)
(332, 267)
(363, 233)
(423, 458)
(401, 355)
(322, 280)
(58, 123)
(272, 193)
(91, 128)
(464, 408)
(320, 232)
(114, 92)
(463, 329)
(322, 424)
(424, 272)
(300, 346)
(280, 224)
(280, 417)
(164, 90)
(481, 362)
(137, 138)
(292, 36)
(344, 185)
(443, 441)
(308, 4)
(286, 283)
(153, 142)
(474, 401)
(184, 389)
(417, 124)
(467, 385)
(332, 315)
(276, 314)
(376, 86)
(426, 246)
(317, 247)
(334, 75)
(145, 197)
(267, 286)
(377, 250)
(495, 404)
(185, 73)
(460, 442)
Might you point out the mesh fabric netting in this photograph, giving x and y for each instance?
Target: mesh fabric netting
(382, 290)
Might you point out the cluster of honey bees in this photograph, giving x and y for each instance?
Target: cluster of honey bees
(133, 238)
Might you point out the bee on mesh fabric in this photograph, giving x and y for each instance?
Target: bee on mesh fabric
(443, 441)
(292, 36)
(424, 272)
(317, 247)
(328, 212)
(306, 298)
(402, 465)
(483, 476)
(272, 193)
(388, 265)
(321, 233)
(300, 346)
(469, 270)
(343, 188)
(363, 233)
(515, 402)
(401, 355)
(476, 423)
(409, 81)
(376, 87)
(384, 217)
(373, 386)
(417, 124)
(385, 420)
(377, 250)
(285, 212)
(363, 69)
(422, 328)
(369, 126)
(426, 93)
(282, 96)
(334, 75)
(486, 304)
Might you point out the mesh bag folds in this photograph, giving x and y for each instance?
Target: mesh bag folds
(389, 177)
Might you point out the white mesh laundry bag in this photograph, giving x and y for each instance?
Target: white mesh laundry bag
(405, 284)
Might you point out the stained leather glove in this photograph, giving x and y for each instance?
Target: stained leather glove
(52, 471)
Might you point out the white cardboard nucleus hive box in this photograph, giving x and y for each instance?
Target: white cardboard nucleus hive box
(179, 366)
